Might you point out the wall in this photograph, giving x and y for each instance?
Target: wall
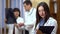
(2, 14)
(35, 2)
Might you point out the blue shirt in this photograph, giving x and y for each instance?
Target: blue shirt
(41, 23)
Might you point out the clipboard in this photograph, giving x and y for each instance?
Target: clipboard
(46, 29)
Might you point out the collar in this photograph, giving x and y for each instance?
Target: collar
(31, 11)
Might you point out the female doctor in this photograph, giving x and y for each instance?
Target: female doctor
(43, 17)
(19, 20)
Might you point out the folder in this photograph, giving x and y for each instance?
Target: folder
(46, 29)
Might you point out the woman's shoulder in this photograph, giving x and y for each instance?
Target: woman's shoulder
(19, 18)
(51, 22)
(52, 19)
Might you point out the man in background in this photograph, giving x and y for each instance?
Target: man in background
(30, 17)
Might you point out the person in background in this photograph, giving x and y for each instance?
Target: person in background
(9, 21)
(43, 17)
(19, 20)
(30, 17)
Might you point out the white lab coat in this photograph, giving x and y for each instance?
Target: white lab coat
(50, 22)
(30, 20)
(19, 29)
(20, 20)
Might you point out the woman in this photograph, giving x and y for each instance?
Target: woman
(43, 17)
(19, 21)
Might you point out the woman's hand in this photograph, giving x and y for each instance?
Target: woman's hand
(30, 26)
(21, 24)
(38, 31)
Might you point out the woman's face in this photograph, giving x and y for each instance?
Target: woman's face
(41, 11)
(16, 13)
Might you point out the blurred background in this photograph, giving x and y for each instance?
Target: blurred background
(54, 6)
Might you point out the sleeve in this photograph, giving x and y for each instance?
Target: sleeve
(55, 28)
(37, 26)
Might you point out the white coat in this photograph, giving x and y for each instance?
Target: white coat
(19, 29)
(50, 22)
(30, 20)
